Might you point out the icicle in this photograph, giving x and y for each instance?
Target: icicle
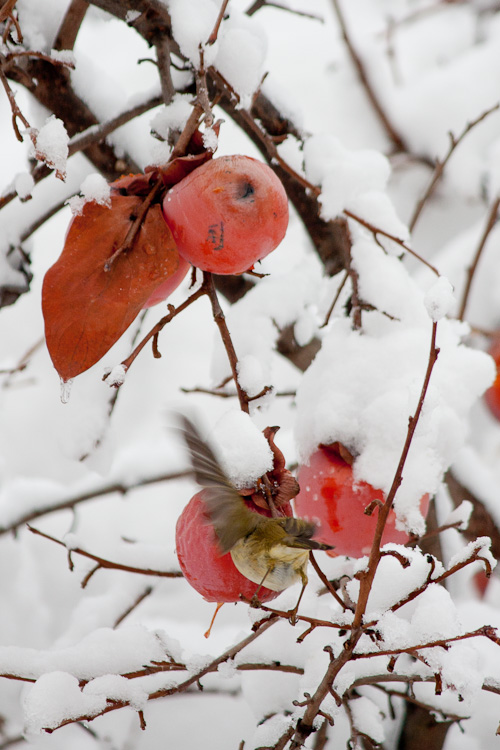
(66, 390)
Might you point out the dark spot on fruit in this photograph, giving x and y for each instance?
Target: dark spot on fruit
(215, 235)
(247, 191)
(132, 217)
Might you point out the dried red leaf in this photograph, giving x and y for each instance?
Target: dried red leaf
(176, 170)
(86, 309)
(340, 450)
(171, 173)
(279, 482)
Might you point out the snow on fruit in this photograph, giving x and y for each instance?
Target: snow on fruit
(227, 214)
(331, 497)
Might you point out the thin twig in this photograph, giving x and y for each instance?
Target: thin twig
(220, 319)
(92, 135)
(147, 591)
(173, 311)
(183, 686)
(215, 31)
(394, 136)
(375, 555)
(326, 582)
(482, 632)
(164, 68)
(258, 4)
(441, 164)
(492, 219)
(377, 230)
(16, 112)
(109, 564)
(107, 489)
(335, 299)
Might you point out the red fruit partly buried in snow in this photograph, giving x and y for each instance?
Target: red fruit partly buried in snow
(492, 395)
(331, 498)
(227, 214)
(213, 575)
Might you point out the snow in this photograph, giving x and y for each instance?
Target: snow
(51, 145)
(192, 24)
(343, 174)
(435, 617)
(116, 376)
(101, 652)
(55, 697)
(250, 375)
(65, 56)
(241, 54)
(434, 70)
(95, 189)
(439, 299)
(367, 718)
(210, 139)
(479, 548)
(172, 117)
(460, 515)
(339, 399)
(23, 185)
(245, 453)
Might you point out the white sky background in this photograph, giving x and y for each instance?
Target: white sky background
(445, 73)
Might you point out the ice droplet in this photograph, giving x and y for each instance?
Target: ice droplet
(66, 390)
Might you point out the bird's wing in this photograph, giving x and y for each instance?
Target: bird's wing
(229, 515)
(299, 533)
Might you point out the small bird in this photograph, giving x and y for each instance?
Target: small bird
(269, 551)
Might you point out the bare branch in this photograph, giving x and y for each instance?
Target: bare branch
(147, 591)
(375, 555)
(376, 230)
(106, 489)
(70, 26)
(492, 219)
(226, 338)
(389, 128)
(110, 565)
(183, 686)
(441, 164)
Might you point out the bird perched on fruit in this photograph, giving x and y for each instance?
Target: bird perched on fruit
(270, 551)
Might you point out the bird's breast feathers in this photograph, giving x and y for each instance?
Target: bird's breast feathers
(281, 566)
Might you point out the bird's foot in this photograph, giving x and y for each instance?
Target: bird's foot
(253, 602)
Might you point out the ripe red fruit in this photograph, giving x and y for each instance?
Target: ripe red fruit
(331, 498)
(213, 575)
(169, 285)
(227, 214)
(492, 395)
